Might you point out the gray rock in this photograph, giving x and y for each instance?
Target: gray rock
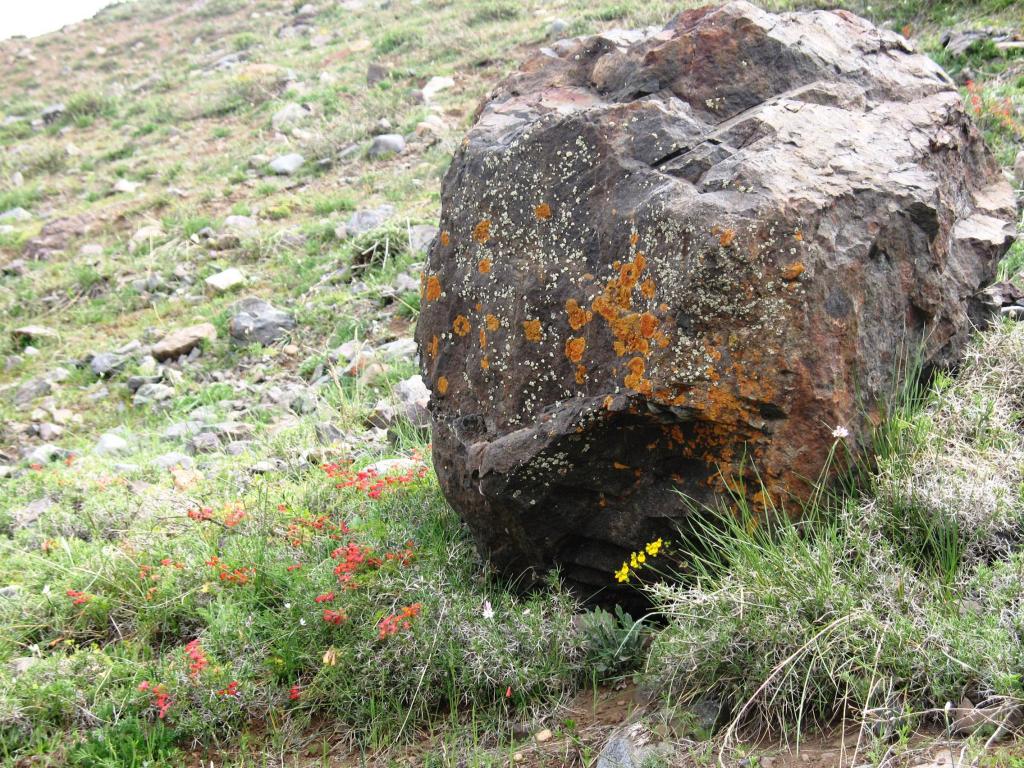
(627, 748)
(16, 214)
(289, 116)
(11, 590)
(328, 434)
(376, 72)
(34, 334)
(49, 431)
(369, 219)
(173, 459)
(420, 237)
(180, 430)
(110, 443)
(242, 224)
(1018, 168)
(105, 364)
(31, 512)
(21, 664)
(152, 394)
(238, 447)
(435, 85)
(225, 281)
(382, 416)
(204, 442)
(399, 349)
(126, 186)
(30, 390)
(385, 145)
(286, 165)
(255, 320)
(53, 113)
(557, 28)
(413, 397)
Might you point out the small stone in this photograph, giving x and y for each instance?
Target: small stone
(286, 165)
(225, 281)
(48, 431)
(183, 340)
(110, 443)
(399, 349)
(420, 237)
(151, 393)
(541, 736)
(174, 459)
(375, 73)
(1018, 168)
(255, 320)
(382, 416)
(368, 219)
(242, 224)
(104, 364)
(385, 145)
(21, 664)
(53, 113)
(435, 85)
(289, 116)
(16, 214)
(557, 28)
(204, 442)
(30, 390)
(126, 186)
(34, 334)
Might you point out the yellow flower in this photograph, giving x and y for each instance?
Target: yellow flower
(633, 561)
(654, 547)
(622, 575)
(641, 558)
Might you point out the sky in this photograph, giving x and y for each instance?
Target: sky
(37, 17)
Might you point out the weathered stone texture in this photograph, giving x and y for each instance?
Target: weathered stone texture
(668, 255)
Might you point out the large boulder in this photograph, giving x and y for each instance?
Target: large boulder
(672, 261)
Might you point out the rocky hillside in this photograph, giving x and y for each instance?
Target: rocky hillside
(221, 536)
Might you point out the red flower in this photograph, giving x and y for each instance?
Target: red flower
(294, 567)
(199, 662)
(78, 598)
(231, 690)
(390, 625)
(327, 597)
(293, 693)
(335, 617)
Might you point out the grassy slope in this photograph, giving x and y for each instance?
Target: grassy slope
(145, 104)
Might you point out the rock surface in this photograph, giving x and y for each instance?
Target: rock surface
(183, 340)
(256, 320)
(661, 263)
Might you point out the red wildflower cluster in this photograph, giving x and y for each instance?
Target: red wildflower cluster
(293, 567)
(369, 481)
(161, 700)
(231, 575)
(152, 573)
(231, 690)
(78, 598)
(335, 617)
(294, 693)
(201, 513)
(390, 625)
(327, 597)
(197, 659)
(234, 516)
(999, 111)
(300, 528)
(353, 557)
(402, 558)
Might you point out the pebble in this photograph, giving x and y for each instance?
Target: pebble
(286, 165)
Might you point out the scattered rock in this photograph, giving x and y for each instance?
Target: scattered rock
(368, 219)
(19, 665)
(225, 281)
(31, 512)
(290, 115)
(375, 73)
(1018, 168)
(435, 85)
(126, 186)
(184, 340)
(542, 736)
(34, 334)
(385, 145)
(110, 443)
(30, 390)
(152, 394)
(53, 113)
(145, 236)
(44, 454)
(684, 272)
(286, 165)
(174, 459)
(254, 319)
(413, 398)
(16, 214)
(557, 28)
(204, 442)
(627, 748)
(242, 224)
(105, 364)
(420, 237)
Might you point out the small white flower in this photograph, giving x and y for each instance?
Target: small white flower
(526, 612)
(287, 606)
(840, 433)
(488, 610)
(302, 622)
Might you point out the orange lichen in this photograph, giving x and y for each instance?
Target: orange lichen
(725, 239)
(432, 347)
(648, 324)
(485, 363)
(483, 338)
(445, 237)
(647, 288)
(433, 288)
(482, 231)
(581, 374)
(799, 236)
(792, 271)
(492, 322)
(532, 330)
(634, 238)
(635, 378)
(574, 348)
(578, 316)
(442, 385)
(484, 266)
(461, 325)
(542, 211)
(620, 465)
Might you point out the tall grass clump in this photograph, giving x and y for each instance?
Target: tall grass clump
(887, 600)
